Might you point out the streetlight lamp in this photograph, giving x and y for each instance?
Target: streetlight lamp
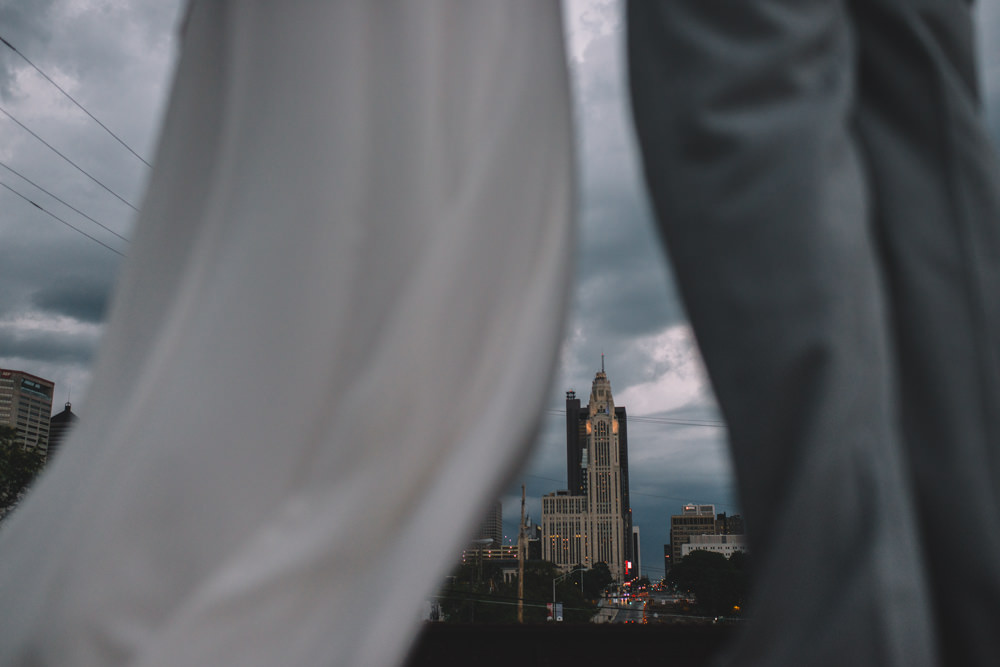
(480, 543)
(563, 576)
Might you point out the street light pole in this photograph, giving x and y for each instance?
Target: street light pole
(563, 576)
(480, 543)
(520, 563)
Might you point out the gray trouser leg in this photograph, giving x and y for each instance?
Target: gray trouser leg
(828, 202)
(935, 204)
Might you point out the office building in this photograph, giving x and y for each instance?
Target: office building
(25, 405)
(634, 571)
(696, 522)
(564, 530)
(693, 520)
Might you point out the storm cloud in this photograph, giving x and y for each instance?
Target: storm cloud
(80, 299)
(59, 265)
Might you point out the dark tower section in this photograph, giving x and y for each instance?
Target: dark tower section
(574, 443)
(623, 459)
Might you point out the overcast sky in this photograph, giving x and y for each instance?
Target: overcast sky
(116, 58)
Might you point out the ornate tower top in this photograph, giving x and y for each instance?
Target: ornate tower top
(601, 400)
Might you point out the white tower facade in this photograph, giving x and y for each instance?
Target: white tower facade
(591, 523)
(605, 523)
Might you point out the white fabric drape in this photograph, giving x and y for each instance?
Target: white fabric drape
(329, 347)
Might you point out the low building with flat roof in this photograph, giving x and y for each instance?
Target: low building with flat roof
(726, 545)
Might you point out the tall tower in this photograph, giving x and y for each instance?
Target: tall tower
(591, 522)
(576, 444)
(636, 571)
(602, 472)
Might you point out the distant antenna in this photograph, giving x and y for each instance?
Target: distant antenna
(602, 362)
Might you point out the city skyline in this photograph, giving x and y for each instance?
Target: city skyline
(118, 62)
(118, 65)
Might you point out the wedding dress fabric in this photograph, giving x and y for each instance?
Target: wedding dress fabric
(329, 347)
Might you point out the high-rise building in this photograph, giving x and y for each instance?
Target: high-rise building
(59, 425)
(25, 405)
(591, 522)
(635, 571)
(492, 526)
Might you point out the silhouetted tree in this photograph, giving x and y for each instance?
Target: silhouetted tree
(718, 583)
(467, 599)
(18, 468)
(595, 580)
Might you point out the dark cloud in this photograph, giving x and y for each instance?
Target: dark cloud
(83, 300)
(26, 26)
(624, 286)
(115, 59)
(49, 346)
(630, 300)
(45, 264)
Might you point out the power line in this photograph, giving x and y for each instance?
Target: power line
(73, 100)
(74, 228)
(494, 598)
(490, 598)
(78, 167)
(660, 420)
(631, 493)
(64, 203)
(677, 422)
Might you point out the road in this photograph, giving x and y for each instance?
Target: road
(630, 611)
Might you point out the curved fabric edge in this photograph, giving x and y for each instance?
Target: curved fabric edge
(331, 344)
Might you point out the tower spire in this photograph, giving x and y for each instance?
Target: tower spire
(602, 362)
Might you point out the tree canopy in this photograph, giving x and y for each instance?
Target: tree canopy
(18, 468)
(477, 593)
(595, 580)
(719, 584)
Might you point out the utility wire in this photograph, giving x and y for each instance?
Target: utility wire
(660, 420)
(73, 100)
(678, 422)
(494, 598)
(490, 598)
(64, 203)
(632, 493)
(78, 167)
(74, 228)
